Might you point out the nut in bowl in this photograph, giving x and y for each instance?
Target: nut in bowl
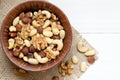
(36, 35)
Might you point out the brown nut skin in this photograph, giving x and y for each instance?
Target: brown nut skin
(30, 55)
(26, 20)
(18, 27)
(32, 49)
(25, 50)
(54, 49)
(12, 34)
(22, 15)
(55, 78)
(42, 53)
(16, 52)
(40, 30)
(28, 14)
(91, 59)
(55, 37)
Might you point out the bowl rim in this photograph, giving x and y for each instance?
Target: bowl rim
(5, 48)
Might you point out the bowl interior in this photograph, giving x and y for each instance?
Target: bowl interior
(35, 6)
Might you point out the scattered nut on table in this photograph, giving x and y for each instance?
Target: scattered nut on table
(81, 47)
(55, 78)
(83, 66)
(66, 68)
(19, 72)
(36, 37)
(74, 59)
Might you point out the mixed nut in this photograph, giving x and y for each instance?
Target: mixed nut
(89, 53)
(36, 37)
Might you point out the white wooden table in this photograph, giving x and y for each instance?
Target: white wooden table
(99, 22)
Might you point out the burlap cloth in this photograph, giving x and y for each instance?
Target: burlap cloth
(6, 67)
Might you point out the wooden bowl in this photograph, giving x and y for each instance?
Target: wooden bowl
(35, 6)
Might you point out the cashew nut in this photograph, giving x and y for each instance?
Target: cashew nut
(16, 21)
(32, 61)
(12, 28)
(59, 44)
(35, 13)
(47, 33)
(53, 52)
(49, 40)
(48, 29)
(47, 23)
(20, 22)
(11, 43)
(62, 34)
(90, 53)
(55, 30)
(60, 27)
(33, 32)
(21, 55)
(81, 47)
(27, 43)
(25, 58)
(83, 66)
(39, 59)
(47, 13)
(35, 24)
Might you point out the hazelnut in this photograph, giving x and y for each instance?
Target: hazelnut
(22, 15)
(18, 27)
(55, 78)
(16, 52)
(28, 14)
(42, 54)
(40, 30)
(12, 34)
(26, 20)
(31, 49)
(30, 55)
(55, 37)
(25, 50)
(91, 59)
